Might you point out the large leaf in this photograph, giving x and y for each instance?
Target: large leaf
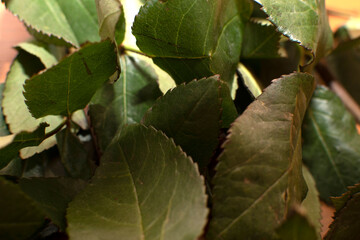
(74, 21)
(331, 146)
(3, 127)
(74, 155)
(31, 60)
(10, 145)
(69, 85)
(111, 20)
(190, 114)
(52, 195)
(303, 21)
(261, 41)
(125, 101)
(19, 216)
(346, 224)
(344, 65)
(145, 188)
(193, 39)
(259, 175)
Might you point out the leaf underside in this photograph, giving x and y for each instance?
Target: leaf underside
(145, 188)
(259, 175)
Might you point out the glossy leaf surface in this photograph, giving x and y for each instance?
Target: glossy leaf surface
(52, 195)
(146, 188)
(190, 114)
(125, 101)
(69, 85)
(193, 39)
(19, 218)
(331, 147)
(74, 21)
(259, 174)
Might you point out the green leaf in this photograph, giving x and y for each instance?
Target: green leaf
(73, 154)
(303, 21)
(190, 114)
(261, 41)
(20, 218)
(69, 85)
(346, 223)
(3, 127)
(344, 65)
(311, 203)
(52, 195)
(17, 114)
(39, 50)
(259, 175)
(297, 227)
(331, 144)
(125, 101)
(145, 188)
(193, 39)
(111, 20)
(10, 145)
(74, 21)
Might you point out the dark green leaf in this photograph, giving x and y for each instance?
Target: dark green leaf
(145, 188)
(297, 227)
(344, 65)
(73, 154)
(303, 21)
(111, 20)
(261, 41)
(10, 145)
(19, 216)
(39, 50)
(331, 146)
(311, 203)
(346, 224)
(74, 21)
(3, 127)
(69, 85)
(190, 114)
(52, 195)
(259, 176)
(17, 114)
(193, 39)
(125, 101)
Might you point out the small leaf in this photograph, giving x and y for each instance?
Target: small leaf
(297, 227)
(193, 39)
(73, 154)
(38, 49)
(303, 21)
(75, 21)
(346, 223)
(261, 41)
(259, 176)
(111, 20)
(19, 217)
(331, 144)
(13, 143)
(145, 188)
(344, 65)
(125, 101)
(69, 85)
(17, 114)
(190, 114)
(52, 195)
(311, 203)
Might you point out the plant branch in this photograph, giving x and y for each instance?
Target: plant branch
(129, 49)
(57, 129)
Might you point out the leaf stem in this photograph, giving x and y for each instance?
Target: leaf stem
(57, 129)
(129, 49)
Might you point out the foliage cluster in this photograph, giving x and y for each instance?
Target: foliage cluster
(183, 134)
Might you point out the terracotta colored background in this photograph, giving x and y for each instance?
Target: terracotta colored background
(13, 32)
